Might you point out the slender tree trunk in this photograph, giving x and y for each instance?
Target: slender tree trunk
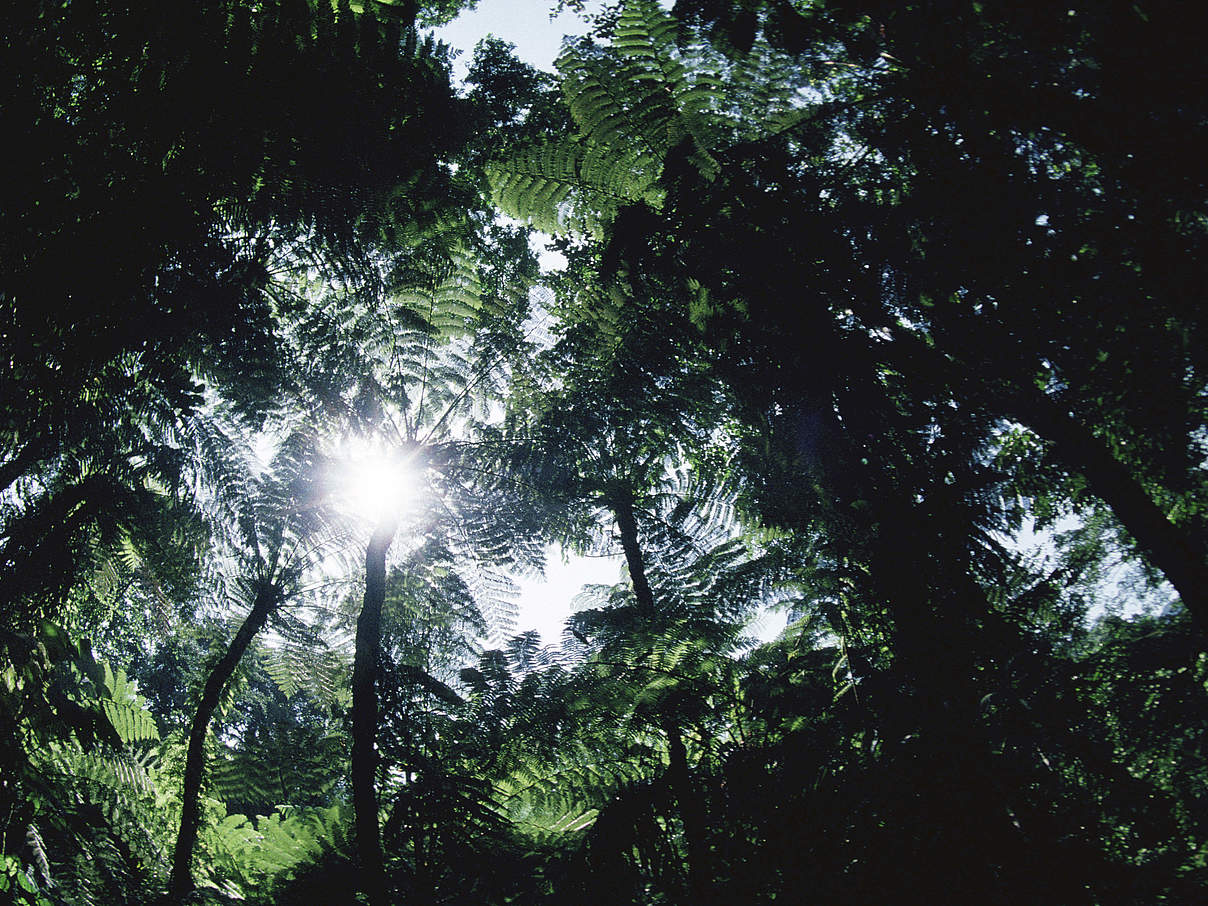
(365, 713)
(622, 510)
(1164, 543)
(181, 881)
(692, 813)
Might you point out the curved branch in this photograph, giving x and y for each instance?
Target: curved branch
(1162, 542)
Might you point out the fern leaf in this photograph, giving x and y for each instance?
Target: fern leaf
(539, 186)
(126, 709)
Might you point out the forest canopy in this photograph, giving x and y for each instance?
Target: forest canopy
(884, 316)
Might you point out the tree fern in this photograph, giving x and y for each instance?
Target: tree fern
(642, 102)
(126, 709)
(563, 795)
(276, 548)
(545, 187)
(306, 664)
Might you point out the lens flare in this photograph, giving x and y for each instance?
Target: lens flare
(377, 483)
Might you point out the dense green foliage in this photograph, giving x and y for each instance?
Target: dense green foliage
(883, 316)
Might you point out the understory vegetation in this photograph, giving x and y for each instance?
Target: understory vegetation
(885, 317)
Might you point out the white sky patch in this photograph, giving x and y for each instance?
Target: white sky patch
(549, 259)
(1121, 590)
(526, 24)
(264, 448)
(767, 624)
(545, 604)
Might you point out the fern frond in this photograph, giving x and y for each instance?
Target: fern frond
(126, 709)
(640, 103)
(305, 664)
(581, 781)
(243, 777)
(447, 305)
(565, 188)
(495, 592)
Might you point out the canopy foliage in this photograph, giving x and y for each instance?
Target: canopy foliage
(883, 317)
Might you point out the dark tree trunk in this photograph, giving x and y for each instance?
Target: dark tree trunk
(181, 881)
(365, 713)
(692, 813)
(1164, 543)
(1082, 452)
(622, 510)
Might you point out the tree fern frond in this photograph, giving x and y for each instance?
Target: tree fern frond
(243, 777)
(445, 304)
(37, 849)
(646, 36)
(495, 593)
(132, 724)
(121, 772)
(304, 662)
(638, 104)
(559, 190)
(579, 780)
(126, 709)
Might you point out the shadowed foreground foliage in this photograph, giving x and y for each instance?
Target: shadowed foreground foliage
(883, 317)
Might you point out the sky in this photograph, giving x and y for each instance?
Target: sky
(525, 23)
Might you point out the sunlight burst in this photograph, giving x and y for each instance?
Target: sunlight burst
(378, 483)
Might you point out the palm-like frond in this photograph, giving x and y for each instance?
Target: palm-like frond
(126, 709)
(564, 795)
(632, 106)
(551, 188)
(645, 102)
(78, 773)
(306, 662)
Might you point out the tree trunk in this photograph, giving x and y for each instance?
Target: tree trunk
(1081, 451)
(692, 812)
(622, 509)
(365, 713)
(181, 880)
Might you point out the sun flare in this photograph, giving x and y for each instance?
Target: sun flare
(376, 483)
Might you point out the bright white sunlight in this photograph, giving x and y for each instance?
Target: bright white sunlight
(374, 481)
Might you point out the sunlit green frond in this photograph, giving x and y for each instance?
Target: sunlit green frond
(126, 709)
(544, 796)
(289, 837)
(563, 188)
(447, 304)
(122, 773)
(632, 105)
(645, 36)
(305, 664)
(495, 593)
